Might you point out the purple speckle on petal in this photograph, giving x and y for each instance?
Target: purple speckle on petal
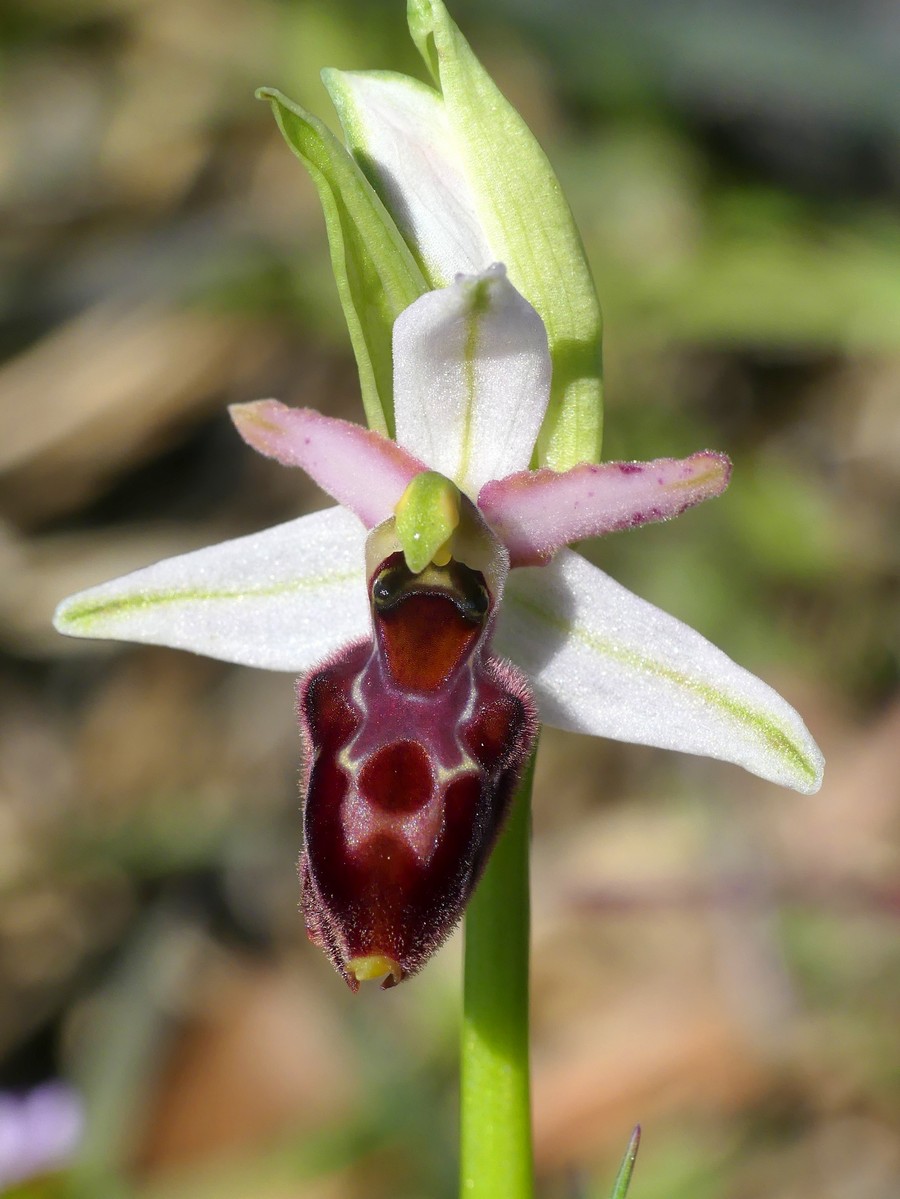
(630, 468)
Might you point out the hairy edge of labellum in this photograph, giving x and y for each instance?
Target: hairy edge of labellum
(325, 930)
(461, 819)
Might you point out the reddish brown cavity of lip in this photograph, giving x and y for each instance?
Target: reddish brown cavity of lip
(425, 639)
(397, 778)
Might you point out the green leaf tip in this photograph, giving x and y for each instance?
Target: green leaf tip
(623, 1178)
(421, 17)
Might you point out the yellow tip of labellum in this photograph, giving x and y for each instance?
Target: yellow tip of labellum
(374, 965)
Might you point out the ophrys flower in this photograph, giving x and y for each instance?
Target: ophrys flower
(386, 870)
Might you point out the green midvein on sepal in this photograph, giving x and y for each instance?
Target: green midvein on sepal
(530, 228)
(377, 276)
(426, 519)
(79, 617)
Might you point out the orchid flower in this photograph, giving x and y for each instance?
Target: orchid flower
(437, 615)
(444, 546)
(481, 385)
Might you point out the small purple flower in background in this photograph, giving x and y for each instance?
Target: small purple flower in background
(40, 1130)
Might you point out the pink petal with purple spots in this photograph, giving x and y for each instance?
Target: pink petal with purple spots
(536, 513)
(362, 470)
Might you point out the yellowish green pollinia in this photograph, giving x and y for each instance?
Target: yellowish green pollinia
(427, 517)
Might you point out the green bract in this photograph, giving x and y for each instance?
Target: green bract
(530, 226)
(376, 275)
(466, 184)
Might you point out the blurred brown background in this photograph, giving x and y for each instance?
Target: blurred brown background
(713, 957)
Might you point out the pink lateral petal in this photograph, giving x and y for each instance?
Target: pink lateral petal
(362, 470)
(537, 512)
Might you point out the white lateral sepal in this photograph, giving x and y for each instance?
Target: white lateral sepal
(605, 662)
(283, 599)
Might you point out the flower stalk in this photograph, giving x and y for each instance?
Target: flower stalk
(495, 1088)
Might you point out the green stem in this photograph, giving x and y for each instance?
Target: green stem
(495, 1092)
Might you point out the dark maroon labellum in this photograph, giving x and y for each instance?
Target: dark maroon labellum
(414, 742)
